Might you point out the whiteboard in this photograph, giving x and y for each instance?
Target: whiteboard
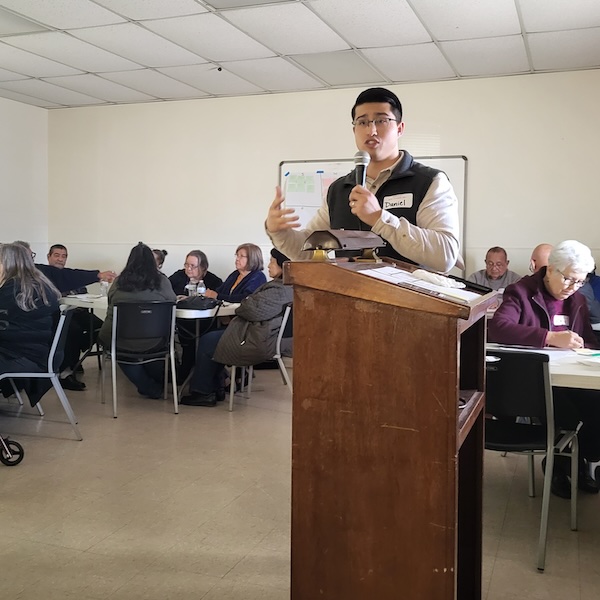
(305, 183)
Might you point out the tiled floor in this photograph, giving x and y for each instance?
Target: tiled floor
(155, 506)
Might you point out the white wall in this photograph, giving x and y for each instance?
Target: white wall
(201, 173)
(24, 174)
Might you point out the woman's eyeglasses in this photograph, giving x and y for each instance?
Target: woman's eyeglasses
(570, 282)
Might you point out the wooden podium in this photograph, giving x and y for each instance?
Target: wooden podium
(386, 469)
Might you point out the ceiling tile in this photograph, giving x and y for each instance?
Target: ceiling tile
(578, 49)
(238, 3)
(63, 14)
(554, 15)
(210, 36)
(70, 51)
(24, 62)
(489, 56)
(10, 24)
(466, 19)
(274, 74)
(339, 68)
(138, 44)
(423, 62)
(308, 33)
(388, 22)
(212, 81)
(154, 83)
(99, 87)
(153, 9)
(10, 75)
(50, 92)
(10, 95)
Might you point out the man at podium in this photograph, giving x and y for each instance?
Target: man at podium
(411, 206)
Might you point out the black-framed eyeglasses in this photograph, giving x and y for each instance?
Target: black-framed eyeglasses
(33, 254)
(380, 123)
(570, 282)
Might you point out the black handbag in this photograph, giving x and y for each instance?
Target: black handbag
(198, 303)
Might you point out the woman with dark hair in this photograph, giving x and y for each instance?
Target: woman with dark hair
(159, 257)
(140, 281)
(28, 302)
(247, 277)
(194, 269)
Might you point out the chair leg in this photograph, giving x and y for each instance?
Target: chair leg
(166, 378)
(20, 398)
(102, 379)
(174, 382)
(545, 507)
(284, 374)
(250, 371)
(66, 405)
(113, 367)
(531, 476)
(574, 481)
(231, 386)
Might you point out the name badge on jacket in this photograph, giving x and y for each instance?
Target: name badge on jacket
(561, 320)
(398, 201)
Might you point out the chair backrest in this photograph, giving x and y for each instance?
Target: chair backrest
(282, 329)
(518, 385)
(57, 348)
(143, 320)
(287, 324)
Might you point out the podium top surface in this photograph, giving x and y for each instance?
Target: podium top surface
(388, 283)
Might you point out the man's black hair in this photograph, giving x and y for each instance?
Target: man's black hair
(379, 94)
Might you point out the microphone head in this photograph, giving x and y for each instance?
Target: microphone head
(362, 158)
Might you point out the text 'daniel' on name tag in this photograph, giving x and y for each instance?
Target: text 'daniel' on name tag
(398, 201)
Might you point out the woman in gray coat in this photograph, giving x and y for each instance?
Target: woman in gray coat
(249, 339)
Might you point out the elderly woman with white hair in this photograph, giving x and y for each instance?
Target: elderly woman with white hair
(545, 309)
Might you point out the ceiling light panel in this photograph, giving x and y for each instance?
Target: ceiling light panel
(50, 92)
(209, 79)
(578, 49)
(63, 14)
(554, 15)
(387, 23)
(10, 95)
(153, 9)
(490, 56)
(138, 44)
(210, 36)
(154, 83)
(465, 19)
(11, 24)
(423, 62)
(287, 29)
(274, 74)
(99, 87)
(68, 50)
(30, 64)
(339, 68)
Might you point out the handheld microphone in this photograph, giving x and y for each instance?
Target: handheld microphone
(361, 162)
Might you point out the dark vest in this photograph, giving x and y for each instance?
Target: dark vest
(409, 177)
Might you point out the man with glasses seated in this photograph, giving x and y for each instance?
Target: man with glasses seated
(411, 206)
(496, 274)
(546, 309)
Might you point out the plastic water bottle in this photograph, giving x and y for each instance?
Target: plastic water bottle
(191, 288)
(104, 288)
(201, 289)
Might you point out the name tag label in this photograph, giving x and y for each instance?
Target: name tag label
(561, 320)
(398, 201)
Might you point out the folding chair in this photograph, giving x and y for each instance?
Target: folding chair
(285, 331)
(52, 372)
(138, 321)
(518, 385)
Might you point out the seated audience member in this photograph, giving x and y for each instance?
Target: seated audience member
(249, 339)
(539, 257)
(591, 292)
(247, 277)
(159, 257)
(194, 269)
(496, 274)
(84, 326)
(28, 304)
(140, 281)
(544, 309)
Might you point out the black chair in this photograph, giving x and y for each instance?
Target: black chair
(518, 385)
(52, 372)
(136, 321)
(285, 331)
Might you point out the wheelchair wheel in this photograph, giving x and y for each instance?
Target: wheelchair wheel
(16, 454)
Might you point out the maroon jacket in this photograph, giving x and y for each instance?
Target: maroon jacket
(522, 317)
